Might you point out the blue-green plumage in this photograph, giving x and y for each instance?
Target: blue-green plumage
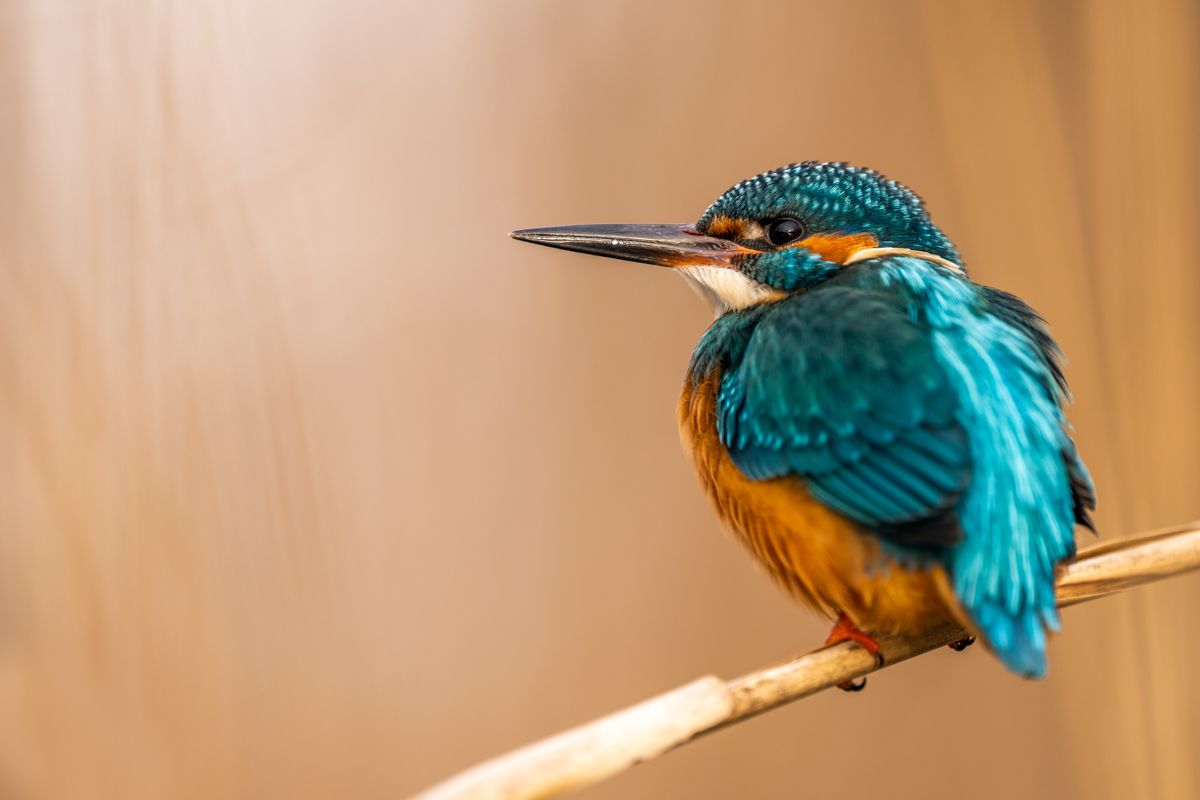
(922, 406)
(925, 408)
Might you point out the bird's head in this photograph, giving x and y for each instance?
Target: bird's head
(775, 234)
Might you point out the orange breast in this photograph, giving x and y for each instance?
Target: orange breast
(822, 558)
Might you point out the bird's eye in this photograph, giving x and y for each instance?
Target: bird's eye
(784, 231)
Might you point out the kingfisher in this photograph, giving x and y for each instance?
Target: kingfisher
(885, 435)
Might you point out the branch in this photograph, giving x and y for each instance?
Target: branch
(598, 750)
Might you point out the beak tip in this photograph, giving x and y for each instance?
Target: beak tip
(524, 235)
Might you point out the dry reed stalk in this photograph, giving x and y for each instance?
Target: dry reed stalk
(600, 749)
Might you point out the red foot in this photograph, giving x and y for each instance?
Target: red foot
(846, 631)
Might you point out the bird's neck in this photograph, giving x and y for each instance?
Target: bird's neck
(724, 343)
(932, 289)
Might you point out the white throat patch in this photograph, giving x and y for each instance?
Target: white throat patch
(727, 289)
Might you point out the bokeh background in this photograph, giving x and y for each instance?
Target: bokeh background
(313, 484)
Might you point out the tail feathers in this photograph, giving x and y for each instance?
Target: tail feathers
(1083, 493)
(1019, 639)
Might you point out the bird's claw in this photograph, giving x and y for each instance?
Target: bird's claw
(846, 631)
(962, 644)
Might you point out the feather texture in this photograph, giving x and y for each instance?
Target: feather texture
(927, 410)
(838, 386)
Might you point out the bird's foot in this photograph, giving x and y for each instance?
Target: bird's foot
(846, 631)
(962, 644)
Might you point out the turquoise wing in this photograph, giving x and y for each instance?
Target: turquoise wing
(1016, 313)
(842, 388)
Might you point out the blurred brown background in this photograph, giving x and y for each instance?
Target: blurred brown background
(316, 485)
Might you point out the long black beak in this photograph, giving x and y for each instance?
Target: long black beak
(664, 245)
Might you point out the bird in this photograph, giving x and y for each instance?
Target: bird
(885, 435)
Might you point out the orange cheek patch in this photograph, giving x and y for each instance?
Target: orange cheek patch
(838, 248)
(726, 227)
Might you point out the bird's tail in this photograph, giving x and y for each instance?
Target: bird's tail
(1018, 638)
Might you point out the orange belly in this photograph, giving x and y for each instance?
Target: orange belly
(822, 558)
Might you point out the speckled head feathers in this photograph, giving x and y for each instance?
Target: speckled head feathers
(834, 197)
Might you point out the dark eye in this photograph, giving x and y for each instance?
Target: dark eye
(784, 231)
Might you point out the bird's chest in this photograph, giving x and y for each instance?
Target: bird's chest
(822, 558)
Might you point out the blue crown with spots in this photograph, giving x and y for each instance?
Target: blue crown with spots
(834, 197)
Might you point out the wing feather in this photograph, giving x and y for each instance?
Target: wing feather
(842, 388)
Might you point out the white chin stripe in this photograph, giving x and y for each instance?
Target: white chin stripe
(727, 289)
